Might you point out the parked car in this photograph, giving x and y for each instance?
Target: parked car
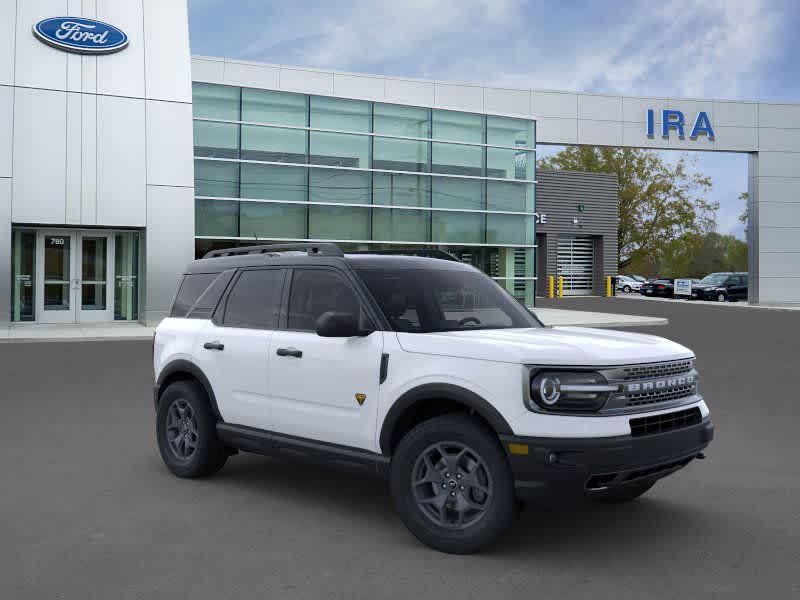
(663, 288)
(722, 287)
(627, 284)
(410, 368)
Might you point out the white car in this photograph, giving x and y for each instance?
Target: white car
(628, 284)
(420, 370)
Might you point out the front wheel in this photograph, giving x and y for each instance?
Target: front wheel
(627, 289)
(721, 297)
(451, 484)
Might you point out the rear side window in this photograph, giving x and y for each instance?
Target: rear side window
(255, 300)
(191, 288)
(208, 300)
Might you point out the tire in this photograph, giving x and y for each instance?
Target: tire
(721, 297)
(467, 518)
(184, 409)
(625, 493)
(627, 289)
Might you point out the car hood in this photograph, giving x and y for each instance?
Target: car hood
(563, 346)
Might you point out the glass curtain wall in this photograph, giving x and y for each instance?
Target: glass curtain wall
(279, 166)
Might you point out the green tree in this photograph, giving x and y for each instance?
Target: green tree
(659, 201)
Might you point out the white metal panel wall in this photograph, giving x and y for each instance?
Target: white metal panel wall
(121, 160)
(167, 58)
(169, 144)
(36, 64)
(6, 128)
(8, 25)
(121, 73)
(39, 156)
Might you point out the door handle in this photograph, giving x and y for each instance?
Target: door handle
(214, 346)
(290, 352)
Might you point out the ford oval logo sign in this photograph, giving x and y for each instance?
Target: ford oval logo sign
(76, 34)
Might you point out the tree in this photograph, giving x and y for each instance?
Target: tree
(659, 202)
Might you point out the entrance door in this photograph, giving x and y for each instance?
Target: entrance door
(575, 262)
(73, 273)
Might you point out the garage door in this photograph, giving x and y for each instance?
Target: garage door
(576, 264)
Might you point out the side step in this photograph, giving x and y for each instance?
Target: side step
(268, 443)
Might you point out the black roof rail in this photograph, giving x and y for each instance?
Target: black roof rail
(313, 249)
(423, 252)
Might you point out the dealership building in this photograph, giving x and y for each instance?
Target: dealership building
(122, 157)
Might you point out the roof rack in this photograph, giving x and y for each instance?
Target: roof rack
(424, 252)
(313, 249)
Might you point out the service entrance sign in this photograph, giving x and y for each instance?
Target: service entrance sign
(683, 287)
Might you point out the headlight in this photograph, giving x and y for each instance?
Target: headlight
(571, 391)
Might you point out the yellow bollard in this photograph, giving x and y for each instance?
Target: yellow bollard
(608, 287)
(561, 286)
(551, 287)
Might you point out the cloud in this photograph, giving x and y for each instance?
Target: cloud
(687, 47)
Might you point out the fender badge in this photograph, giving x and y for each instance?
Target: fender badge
(360, 398)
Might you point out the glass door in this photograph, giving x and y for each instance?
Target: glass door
(74, 273)
(95, 273)
(56, 281)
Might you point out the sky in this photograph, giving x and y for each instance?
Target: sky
(733, 49)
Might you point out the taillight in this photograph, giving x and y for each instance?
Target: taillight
(661, 287)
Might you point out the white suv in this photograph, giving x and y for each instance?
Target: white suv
(423, 371)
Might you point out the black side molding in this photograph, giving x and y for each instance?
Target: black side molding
(269, 443)
(178, 367)
(440, 391)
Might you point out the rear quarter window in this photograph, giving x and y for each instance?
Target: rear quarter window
(192, 287)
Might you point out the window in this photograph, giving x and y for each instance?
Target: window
(400, 225)
(216, 217)
(268, 220)
(406, 121)
(338, 223)
(401, 190)
(506, 195)
(317, 291)
(443, 299)
(204, 307)
(280, 108)
(457, 126)
(23, 259)
(216, 178)
(339, 150)
(457, 193)
(191, 287)
(400, 155)
(273, 182)
(215, 101)
(457, 159)
(339, 185)
(255, 300)
(220, 140)
(507, 131)
(340, 114)
(509, 164)
(273, 144)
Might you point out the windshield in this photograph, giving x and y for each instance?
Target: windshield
(714, 279)
(430, 300)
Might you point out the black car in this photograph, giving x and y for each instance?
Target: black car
(721, 287)
(664, 288)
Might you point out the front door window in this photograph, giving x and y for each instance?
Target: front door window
(57, 273)
(93, 273)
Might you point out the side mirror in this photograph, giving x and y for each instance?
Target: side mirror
(339, 324)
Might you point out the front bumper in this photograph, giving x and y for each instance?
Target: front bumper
(547, 469)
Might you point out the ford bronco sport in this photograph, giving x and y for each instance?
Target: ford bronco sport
(421, 370)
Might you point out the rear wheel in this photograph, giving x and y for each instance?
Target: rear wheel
(451, 484)
(186, 430)
(624, 493)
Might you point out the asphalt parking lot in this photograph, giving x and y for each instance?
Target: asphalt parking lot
(88, 510)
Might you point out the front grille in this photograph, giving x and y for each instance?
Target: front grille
(656, 369)
(645, 398)
(665, 422)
